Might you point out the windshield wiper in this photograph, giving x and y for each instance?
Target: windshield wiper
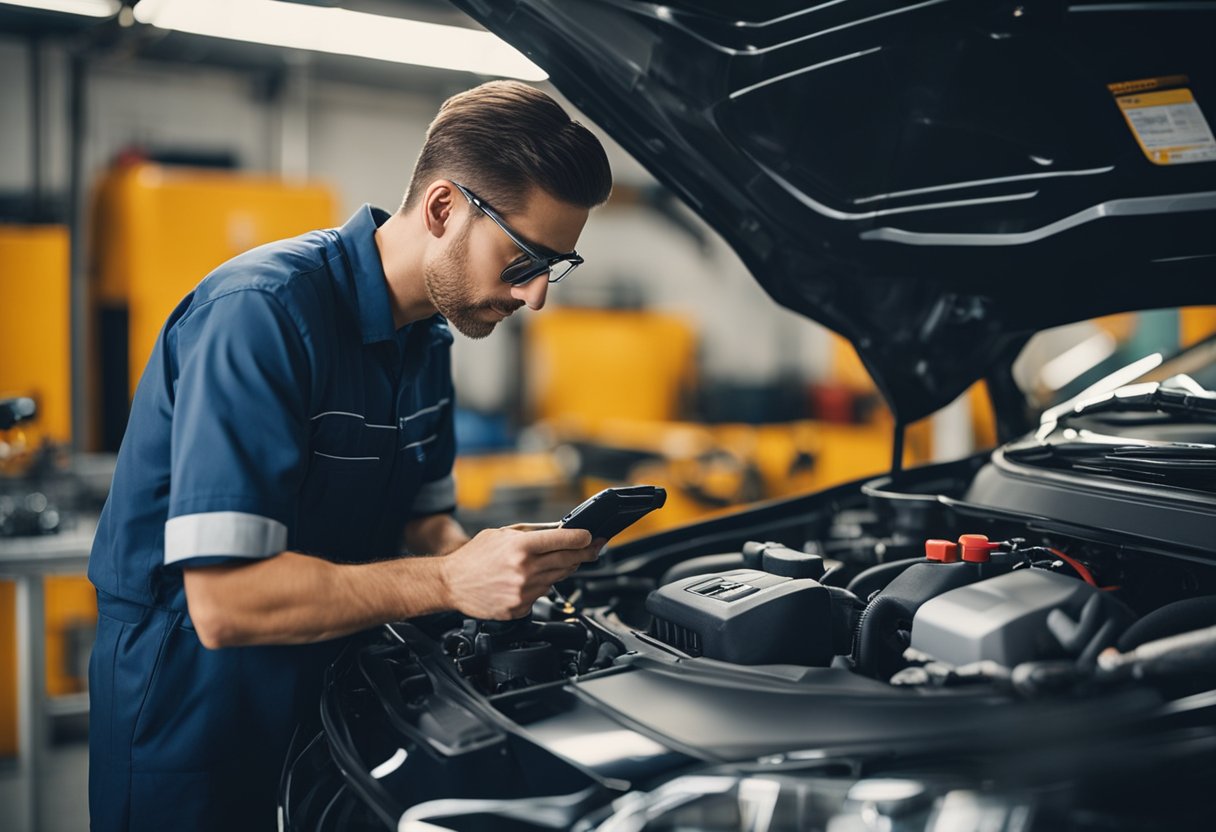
(1156, 453)
(1178, 395)
(1180, 464)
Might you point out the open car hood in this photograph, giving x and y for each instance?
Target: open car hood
(934, 180)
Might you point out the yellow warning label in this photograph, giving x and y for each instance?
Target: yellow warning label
(1146, 84)
(1167, 122)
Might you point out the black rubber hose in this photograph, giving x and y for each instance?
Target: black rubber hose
(879, 645)
(1187, 654)
(1102, 620)
(869, 581)
(846, 610)
(1178, 617)
(564, 634)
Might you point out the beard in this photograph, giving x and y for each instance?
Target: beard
(447, 287)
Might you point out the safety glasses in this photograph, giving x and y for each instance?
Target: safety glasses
(535, 260)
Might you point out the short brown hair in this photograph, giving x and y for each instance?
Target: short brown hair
(503, 137)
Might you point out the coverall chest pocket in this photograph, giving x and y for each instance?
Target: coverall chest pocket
(349, 469)
(417, 440)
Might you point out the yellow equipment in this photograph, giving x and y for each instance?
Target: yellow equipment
(616, 384)
(35, 361)
(483, 479)
(591, 363)
(715, 469)
(1196, 323)
(35, 326)
(157, 231)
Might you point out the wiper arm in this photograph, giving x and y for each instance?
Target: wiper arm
(1178, 395)
(1179, 451)
(1183, 463)
(1195, 461)
(1083, 441)
(1194, 468)
(1097, 450)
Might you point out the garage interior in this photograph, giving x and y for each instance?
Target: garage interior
(137, 157)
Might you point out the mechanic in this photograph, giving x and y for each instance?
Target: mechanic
(291, 438)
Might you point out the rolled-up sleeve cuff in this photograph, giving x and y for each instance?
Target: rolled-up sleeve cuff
(232, 534)
(435, 497)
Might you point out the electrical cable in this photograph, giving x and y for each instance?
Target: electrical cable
(1079, 567)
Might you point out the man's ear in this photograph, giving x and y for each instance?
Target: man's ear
(438, 203)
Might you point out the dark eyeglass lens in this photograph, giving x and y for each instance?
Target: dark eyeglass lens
(523, 271)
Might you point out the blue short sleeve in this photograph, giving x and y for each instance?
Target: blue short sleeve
(239, 432)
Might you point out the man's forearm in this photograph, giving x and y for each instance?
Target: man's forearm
(296, 599)
(434, 534)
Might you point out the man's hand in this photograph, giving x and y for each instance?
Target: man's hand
(535, 527)
(500, 572)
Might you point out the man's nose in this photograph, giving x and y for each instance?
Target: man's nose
(533, 292)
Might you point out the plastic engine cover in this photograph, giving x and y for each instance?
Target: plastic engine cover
(745, 616)
(1002, 619)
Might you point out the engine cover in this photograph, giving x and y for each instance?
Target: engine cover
(745, 616)
(1002, 619)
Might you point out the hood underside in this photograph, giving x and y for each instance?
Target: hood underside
(934, 180)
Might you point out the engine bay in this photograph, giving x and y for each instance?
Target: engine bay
(906, 582)
(905, 627)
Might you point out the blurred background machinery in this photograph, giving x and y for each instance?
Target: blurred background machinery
(615, 396)
(156, 231)
(35, 428)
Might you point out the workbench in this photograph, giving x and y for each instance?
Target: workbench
(26, 561)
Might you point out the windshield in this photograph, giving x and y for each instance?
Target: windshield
(1066, 362)
(1150, 420)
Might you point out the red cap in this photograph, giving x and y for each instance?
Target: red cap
(942, 551)
(976, 547)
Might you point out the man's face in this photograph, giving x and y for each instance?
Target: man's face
(463, 282)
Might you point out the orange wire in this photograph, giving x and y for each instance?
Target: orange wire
(1077, 565)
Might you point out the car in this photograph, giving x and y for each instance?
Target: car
(1024, 639)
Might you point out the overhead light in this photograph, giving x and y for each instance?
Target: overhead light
(88, 8)
(342, 32)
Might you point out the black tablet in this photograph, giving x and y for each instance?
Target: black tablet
(614, 509)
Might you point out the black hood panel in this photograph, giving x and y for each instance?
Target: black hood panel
(934, 180)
